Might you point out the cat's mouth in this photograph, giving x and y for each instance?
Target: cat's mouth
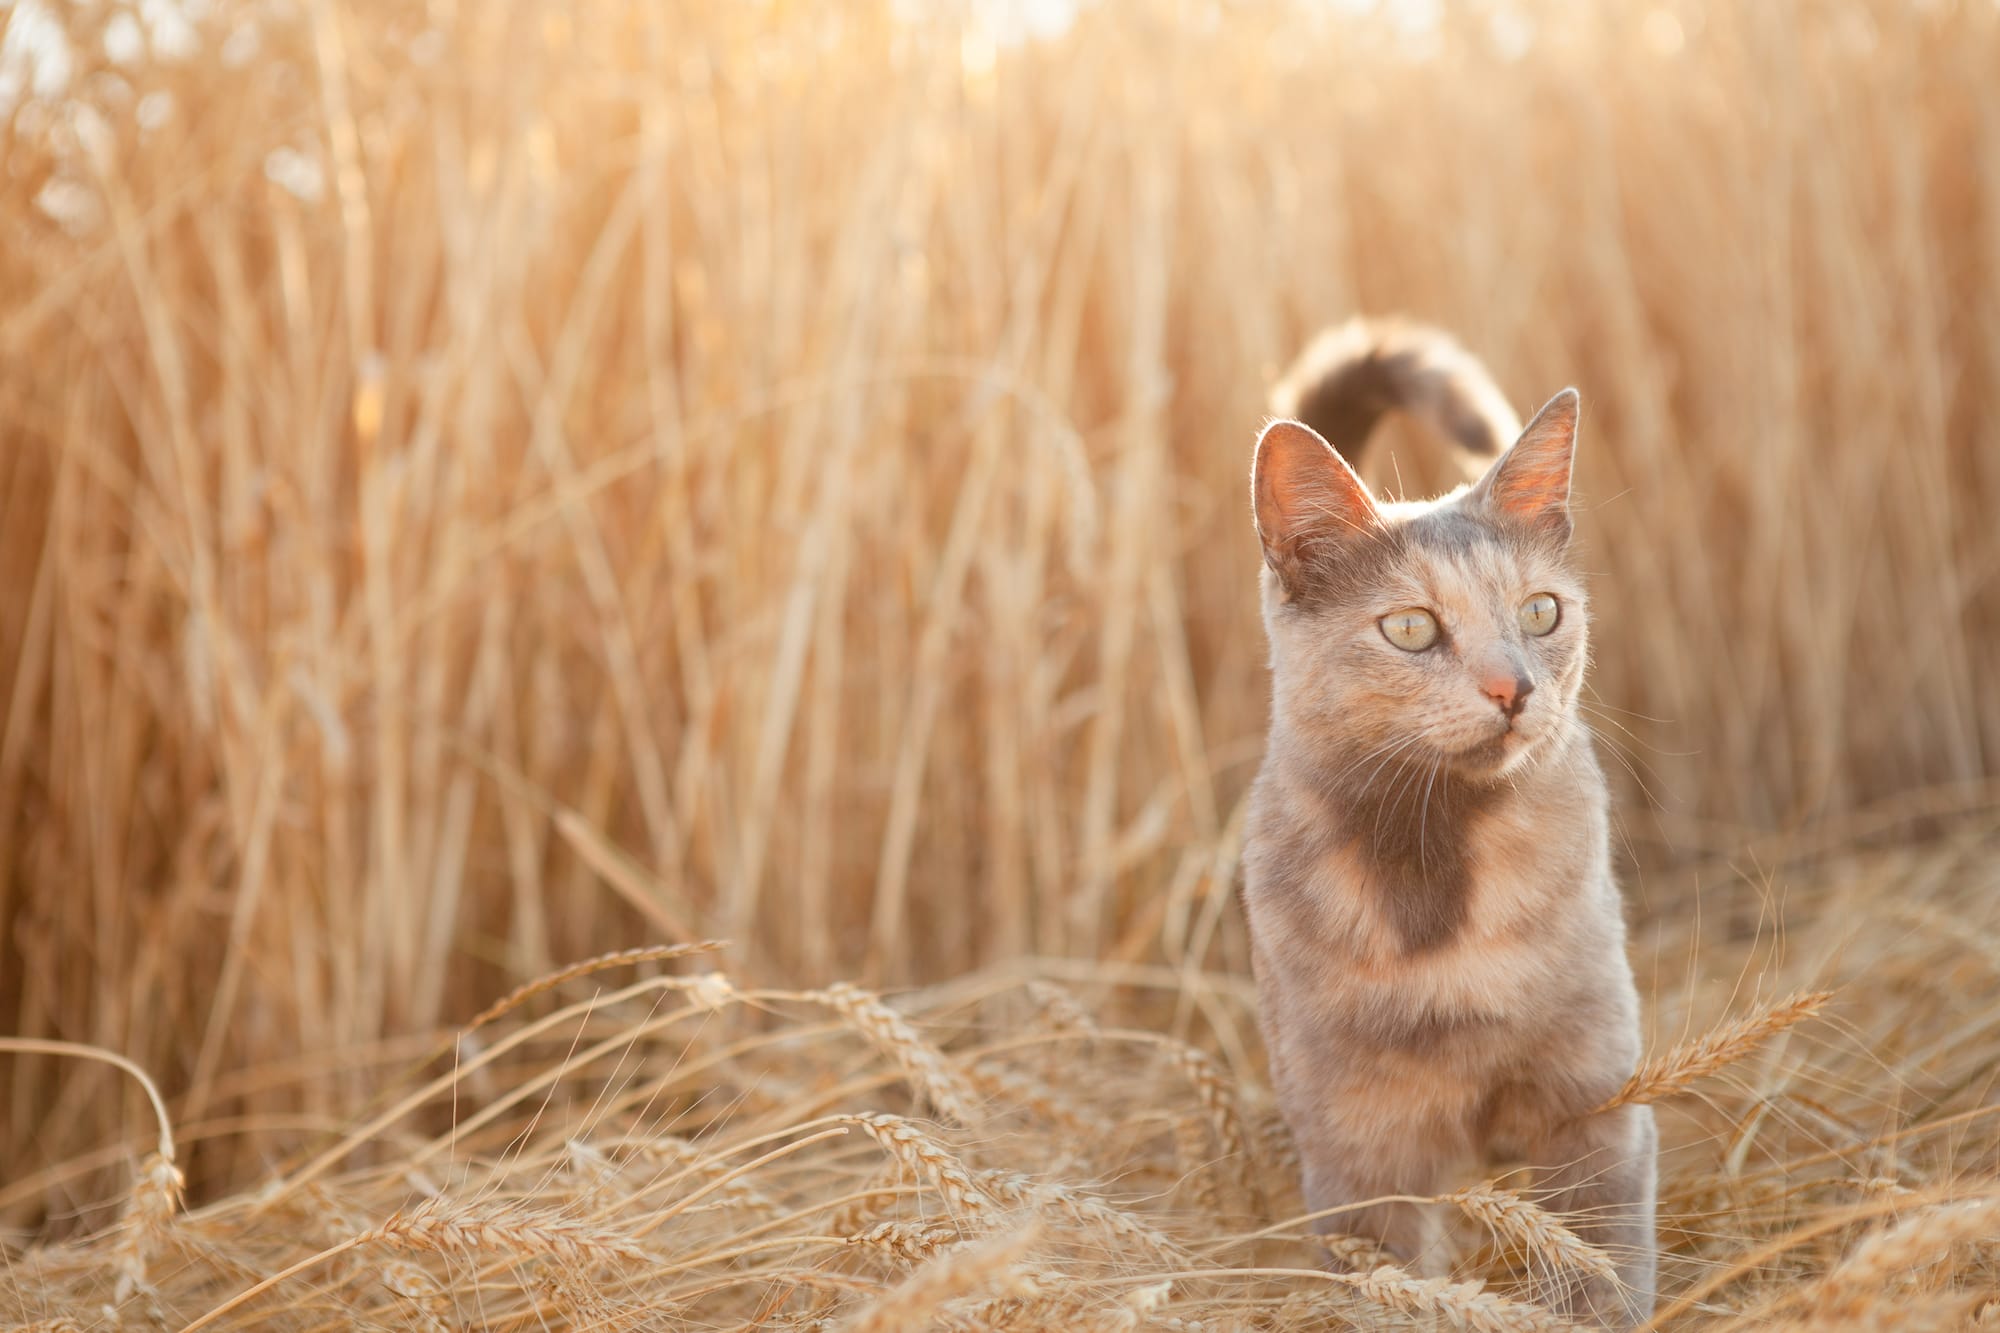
(1496, 754)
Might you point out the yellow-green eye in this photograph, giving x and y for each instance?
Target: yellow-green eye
(1539, 614)
(1412, 630)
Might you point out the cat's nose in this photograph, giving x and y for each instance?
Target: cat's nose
(1507, 689)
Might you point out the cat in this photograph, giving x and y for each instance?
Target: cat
(1437, 939)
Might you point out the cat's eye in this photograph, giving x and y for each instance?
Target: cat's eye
(1539, 614)
(1412, 629)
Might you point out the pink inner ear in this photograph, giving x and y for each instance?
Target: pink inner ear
(1305, 490)
(1531, 480)
(1532, 485)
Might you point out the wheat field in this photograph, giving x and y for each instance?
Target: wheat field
(489, 486)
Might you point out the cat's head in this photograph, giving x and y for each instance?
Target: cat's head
(1445, 634)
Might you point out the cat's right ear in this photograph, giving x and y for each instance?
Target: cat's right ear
(1530, 483)
(1307, 498)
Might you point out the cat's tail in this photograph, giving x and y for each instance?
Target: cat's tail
(1351, 374)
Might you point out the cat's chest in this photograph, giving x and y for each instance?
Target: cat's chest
(1482, 913)
(1482, 886)
(1497, 939)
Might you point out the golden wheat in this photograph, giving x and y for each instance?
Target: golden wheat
(946, 1087)
(690, 1166)
(910, 1241)
(422, 1298)
(1903, 1251)
(1093, 1213)
(490, 485)
(507, 1229)
(1515, 1219)
(1692, 1061)
(156, 1193)
(1356, 1254)
(602, 963)
(1465, 1304)
(924, 1156)
(968, 1268)
(786, 487)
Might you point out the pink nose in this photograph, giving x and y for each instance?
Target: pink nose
(1507, 690)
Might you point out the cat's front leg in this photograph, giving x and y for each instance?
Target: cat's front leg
(1343, 1174)
(1600, 1172)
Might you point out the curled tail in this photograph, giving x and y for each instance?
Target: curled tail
(1351, 374)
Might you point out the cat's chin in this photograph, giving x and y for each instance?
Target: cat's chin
(1495, 758)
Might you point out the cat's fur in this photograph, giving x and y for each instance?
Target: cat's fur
(1437, 937)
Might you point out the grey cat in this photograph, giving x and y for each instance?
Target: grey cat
(1437, 938)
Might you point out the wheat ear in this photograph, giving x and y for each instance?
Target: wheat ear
(1513, 1218)
(1355, 1254)
(1218, 1098)
(955, 1273)
(972, 1194)
(1466, 1305)
(156, 1193)
(1012, 1187)
(1191, 1149)
(602, 962)
(1025, 1090)
(948, 1090)
(925, 1156)
(433, 1226)
(1891, 1252)
(913, 1241)
(1217, 1092)
(411, 1284)
(1059, 1010)
(156, 1189)
(1697, 1059)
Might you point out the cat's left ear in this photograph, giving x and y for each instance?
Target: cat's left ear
(1530, 483)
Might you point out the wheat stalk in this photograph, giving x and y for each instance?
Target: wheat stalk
(1466, 1305)
(1024, 1089)
(1060, 1011)
(955, 1273)
(156, 1187)
(1355, 1254)
(1513, 1218)
(156, 1193)
(1897, 1251)
(670, 1150)
(1192, 1151)
(1217, 1092)
(521, 994)
(916, 1242)
(925, 1156)
(524, 1232)
(929, 1072)
(410, 1283)
(1015, 1188)
(867, 1203)
(1720, 1046)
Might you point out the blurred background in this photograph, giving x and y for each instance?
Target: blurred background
(486, 484)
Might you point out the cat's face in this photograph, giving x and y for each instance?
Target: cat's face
(1406, 639)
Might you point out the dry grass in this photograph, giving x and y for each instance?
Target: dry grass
(621, 1155)
(484, 486)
